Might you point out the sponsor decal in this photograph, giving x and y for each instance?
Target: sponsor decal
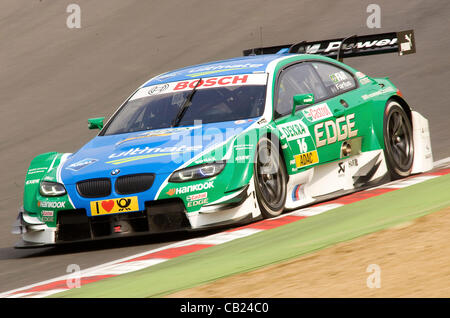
(205, 160)
(213, 82)
(37, 170)
(306, 159)
(353, 163)
(158, 89)
(338, 77)
(198, 196)
(81, 164)
(197, 203)
(343, 85)
(243, 147)
(341, 168)
(341, 81)
(330, 46)
(191, 188)
(197, 199)
(242, 158)
(168, 75)
(211, 69)
(137, 153)
(159, 133)
(148, 150)
(118, 205)
(317, 112)
(365, 80)
(380, 92)
(34, 181)
(34, 169)
(406, 42)
(47, 213)
(47, 216)
(334, 130)
(262, 121)
(297, 192)
(209, 82)
(171, 192)
(293, 130)
(52, 204)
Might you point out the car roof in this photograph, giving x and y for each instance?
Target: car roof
(234, 66)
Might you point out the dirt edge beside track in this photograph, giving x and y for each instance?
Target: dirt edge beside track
(413, 258)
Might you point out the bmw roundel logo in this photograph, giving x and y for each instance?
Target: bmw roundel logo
(115, 171)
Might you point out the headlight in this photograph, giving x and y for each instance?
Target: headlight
(51, 189)
(203, 171)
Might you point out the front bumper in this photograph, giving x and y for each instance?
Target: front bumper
(76, 226)
(161, 216)
(34, 232)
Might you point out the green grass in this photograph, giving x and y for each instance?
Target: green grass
(276, 245)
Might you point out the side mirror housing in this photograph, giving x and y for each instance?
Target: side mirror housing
(95, 123)
(302, 99)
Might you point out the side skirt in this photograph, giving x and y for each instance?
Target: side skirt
(337, 178)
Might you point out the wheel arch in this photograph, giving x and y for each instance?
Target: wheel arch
(273, 136)
(268, 210)
(394, 169)
(403, 104)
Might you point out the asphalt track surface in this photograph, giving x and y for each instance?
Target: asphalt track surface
(53, 78)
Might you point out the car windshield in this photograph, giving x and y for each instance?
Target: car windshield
(216, 99)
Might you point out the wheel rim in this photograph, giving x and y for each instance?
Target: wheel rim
(269, 176)
(399, 140)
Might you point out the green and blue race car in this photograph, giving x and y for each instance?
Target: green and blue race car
(229, 142)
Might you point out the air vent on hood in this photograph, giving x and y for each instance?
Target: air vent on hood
(94, 188)
(134, 183)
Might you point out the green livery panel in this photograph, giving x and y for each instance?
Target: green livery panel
(44, 168)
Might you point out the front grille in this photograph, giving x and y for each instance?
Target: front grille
(134, 183)
(94, 188)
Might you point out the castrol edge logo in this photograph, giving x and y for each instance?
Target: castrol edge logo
(338, 129)
(207, 82)
(317, 112)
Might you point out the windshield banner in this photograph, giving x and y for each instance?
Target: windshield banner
(209, 82)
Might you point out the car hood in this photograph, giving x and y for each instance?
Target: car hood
(153, 151)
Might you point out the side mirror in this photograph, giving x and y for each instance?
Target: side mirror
(95, 123)
(302, 99)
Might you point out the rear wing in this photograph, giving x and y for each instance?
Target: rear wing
(402, 42)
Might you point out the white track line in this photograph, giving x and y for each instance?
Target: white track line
(441, 162)
(399, 184)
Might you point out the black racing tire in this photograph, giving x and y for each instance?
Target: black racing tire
(270, 178)
(398, 141)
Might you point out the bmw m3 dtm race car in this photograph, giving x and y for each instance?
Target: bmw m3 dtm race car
(228, 142)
